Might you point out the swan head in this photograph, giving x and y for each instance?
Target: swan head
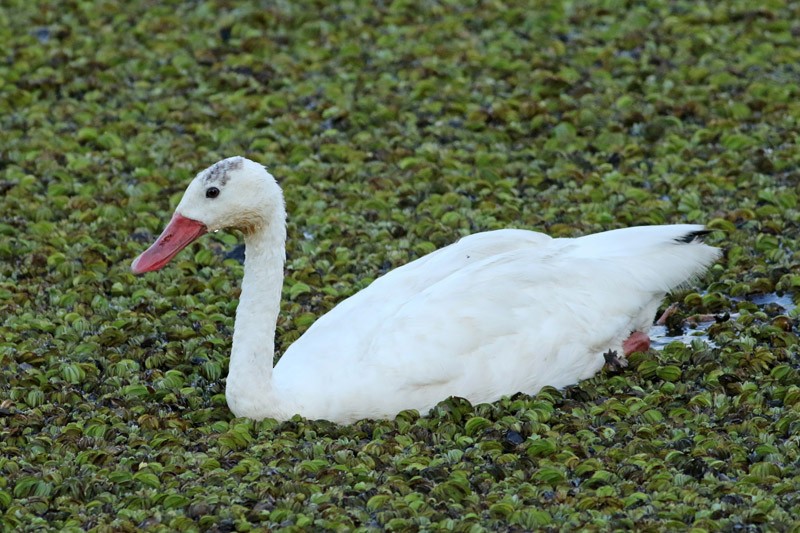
(233, 193)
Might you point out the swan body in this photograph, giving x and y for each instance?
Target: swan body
(495, 313)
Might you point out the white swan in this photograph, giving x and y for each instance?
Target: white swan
(491, 315)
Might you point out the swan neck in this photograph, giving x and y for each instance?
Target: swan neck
(249, 389)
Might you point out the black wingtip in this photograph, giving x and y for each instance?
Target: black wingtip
(693, 236)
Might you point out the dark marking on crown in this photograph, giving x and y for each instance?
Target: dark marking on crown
(218, 172)
(693, 236)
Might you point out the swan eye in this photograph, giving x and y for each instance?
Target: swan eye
(212, 192)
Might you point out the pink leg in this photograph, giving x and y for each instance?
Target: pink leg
(668, 312)
(637, 342)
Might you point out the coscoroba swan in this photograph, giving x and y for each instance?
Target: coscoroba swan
(493, 314)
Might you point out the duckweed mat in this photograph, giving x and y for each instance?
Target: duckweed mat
(395, 127)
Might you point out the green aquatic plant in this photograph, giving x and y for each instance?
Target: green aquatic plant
(397, 128)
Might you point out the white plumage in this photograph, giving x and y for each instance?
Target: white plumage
(494, 314)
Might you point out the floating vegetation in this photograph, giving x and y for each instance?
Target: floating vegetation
(395, 128)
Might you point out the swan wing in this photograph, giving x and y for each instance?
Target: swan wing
(530, 314)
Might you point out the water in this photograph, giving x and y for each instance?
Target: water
(659, 337)
(784, 301)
